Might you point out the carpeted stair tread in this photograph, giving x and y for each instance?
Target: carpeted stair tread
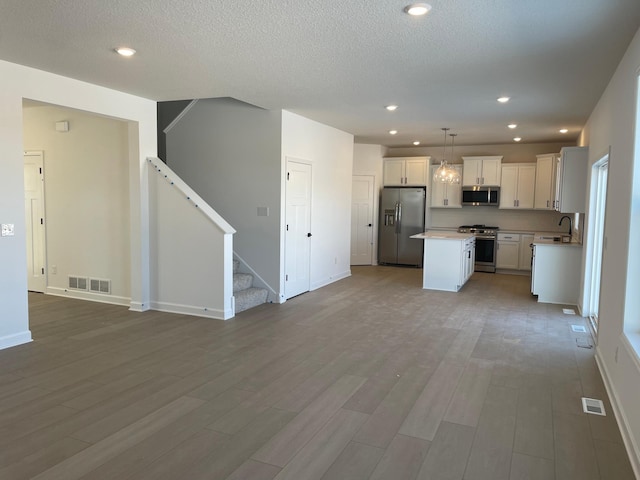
(249, 298)
(242, 281)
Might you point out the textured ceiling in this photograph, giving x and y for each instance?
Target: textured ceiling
(341, 62)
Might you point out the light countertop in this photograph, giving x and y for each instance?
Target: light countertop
(547, 238)
(442, 235)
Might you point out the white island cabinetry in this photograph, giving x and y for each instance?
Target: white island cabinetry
(449, 259)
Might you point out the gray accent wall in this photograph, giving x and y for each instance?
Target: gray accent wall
(167, 113)
(229, 152)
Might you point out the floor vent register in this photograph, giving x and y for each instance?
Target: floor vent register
(593, 406)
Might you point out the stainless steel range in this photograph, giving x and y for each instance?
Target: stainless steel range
(485, 246)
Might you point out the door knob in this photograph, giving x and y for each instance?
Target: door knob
(370, 225)
(308, 234)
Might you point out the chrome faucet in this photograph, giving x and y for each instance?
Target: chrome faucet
(568, 218)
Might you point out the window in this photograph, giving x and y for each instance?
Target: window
(632, 294)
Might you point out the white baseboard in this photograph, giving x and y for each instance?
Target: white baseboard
(205, 312)
(331, 279)
(15, 339)
(139, 306)
(92, 297)
(629, 441)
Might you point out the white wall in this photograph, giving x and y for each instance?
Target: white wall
(16, 83)
(87, 198)
(367, 160)
(229, 152)
(330, 152)
(191, 267)
(611, 125)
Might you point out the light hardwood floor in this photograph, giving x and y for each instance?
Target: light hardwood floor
(368, 378)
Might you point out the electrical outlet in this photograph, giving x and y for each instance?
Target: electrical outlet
(54, 269)
(335, 260)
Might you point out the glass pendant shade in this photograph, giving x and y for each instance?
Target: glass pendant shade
(445, 173)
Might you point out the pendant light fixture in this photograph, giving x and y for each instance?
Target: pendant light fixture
(444, 173)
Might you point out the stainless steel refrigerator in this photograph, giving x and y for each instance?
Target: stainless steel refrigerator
(401, 215)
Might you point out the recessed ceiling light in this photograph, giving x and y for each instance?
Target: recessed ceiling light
(416, 143)
(512, 125)
(517, 139)
(504, 99)
(393, 132)
(391, 108)
(417, 9)
(125, 51)
(564, 130)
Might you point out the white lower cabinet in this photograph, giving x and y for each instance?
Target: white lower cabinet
(514, 251)
(525, 251)
(556, 273)
(508, 254)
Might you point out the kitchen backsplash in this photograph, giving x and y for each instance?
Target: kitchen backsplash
(517, 220)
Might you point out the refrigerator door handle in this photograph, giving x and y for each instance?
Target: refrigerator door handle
(399, 217)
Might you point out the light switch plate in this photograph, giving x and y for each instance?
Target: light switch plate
(7, 230)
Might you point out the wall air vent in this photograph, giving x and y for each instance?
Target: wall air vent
(100, 285)
(77, 283)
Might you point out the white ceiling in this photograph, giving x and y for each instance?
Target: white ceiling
(341, 62)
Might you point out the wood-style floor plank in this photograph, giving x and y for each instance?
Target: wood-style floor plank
(79, 464)
(371, 377)
(319, 453)
(429, 409)
(282, 448)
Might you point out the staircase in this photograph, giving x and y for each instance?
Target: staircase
(247, 296)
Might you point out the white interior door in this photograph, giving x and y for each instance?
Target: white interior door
(362, 205)
(298, 229)
(34, 212)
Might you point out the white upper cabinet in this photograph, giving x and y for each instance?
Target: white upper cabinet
(545, 195)
(481, 171)
(571, 179)
(518, 185)
(405, 171)
(445, 195)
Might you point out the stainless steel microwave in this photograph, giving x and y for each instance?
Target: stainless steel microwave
(479, 195)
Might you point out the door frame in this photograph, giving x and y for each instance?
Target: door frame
(596, 243)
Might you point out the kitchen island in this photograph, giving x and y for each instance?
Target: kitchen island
(449, 259)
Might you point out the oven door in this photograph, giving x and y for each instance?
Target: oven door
(485, 254)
